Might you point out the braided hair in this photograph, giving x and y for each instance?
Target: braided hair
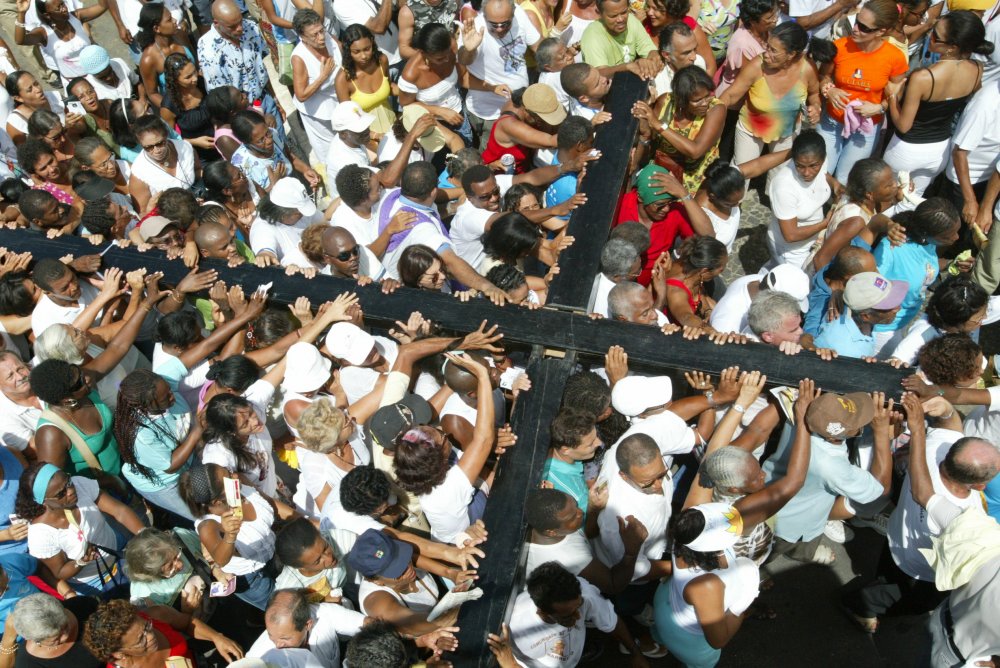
(220, 425)
(172, 66)
(24, 504)
(136, 394)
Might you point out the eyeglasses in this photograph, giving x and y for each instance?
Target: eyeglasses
(107, 162)
(937, 38)
(864, 28)
(61, 494)
(141, 642)
(158, 145)
(647, 485)
(502, 25)
(346, 255)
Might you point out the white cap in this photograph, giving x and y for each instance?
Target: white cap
(306, 369)
(349, 116)
(349, 342)
(634, 394)
(291, 194)
(791, 280)
(723, 527)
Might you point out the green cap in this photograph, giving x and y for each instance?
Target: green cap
(649, 191)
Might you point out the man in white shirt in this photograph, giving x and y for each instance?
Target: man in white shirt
(361, 356)
(552, 56)
(818, 16)
(65, 296)
(549, 621)
(376, 15)
(730, 313)
(493, 47)
(291, 622)
(974, 150)
(678, 49)
(19, 407)
(417, 194)
(342, 257)
(587, 88)
(631, 302)
(959, 468)
(775, 318)
(620, 261)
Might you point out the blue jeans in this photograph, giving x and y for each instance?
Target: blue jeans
(270, 106)
(841, 152)
(259, 590)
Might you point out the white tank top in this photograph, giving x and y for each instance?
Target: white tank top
(422, 600)
(725, 228)
(159, 179)
(322, 103)
(255, 541)
(442, 94)
(66, 54)
(455, 406)
(740, 579)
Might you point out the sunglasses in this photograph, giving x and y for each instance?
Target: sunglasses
(865, 29)
(80, 382)
(158, 145)
(346, 255)
(61, 494)
(937, 38)
(503, 25)
(647, 485)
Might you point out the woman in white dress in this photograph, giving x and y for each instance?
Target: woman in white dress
(315, 62)
(163, 163)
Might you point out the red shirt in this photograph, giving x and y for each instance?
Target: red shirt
(662, 234)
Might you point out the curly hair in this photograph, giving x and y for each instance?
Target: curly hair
(106, 628)
(172, 66)
(364, 489)
(52, 381)
(320, 426)
(511, 200)
(949, 358)
(683, 528)
(136, 394)
(507, 277)
(420, 466)
(220, 425)
(352, 34)
(587, 391)
(24, 504)
(955, 301)
(569, 427)
(97, 218)
(353, 184)
(30, 152)
(551, 583)
(311, 242)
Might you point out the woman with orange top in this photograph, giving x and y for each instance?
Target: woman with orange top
(854, 87)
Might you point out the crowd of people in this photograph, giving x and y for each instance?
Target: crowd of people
(193, 475)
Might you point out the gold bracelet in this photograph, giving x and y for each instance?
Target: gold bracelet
(8, 650)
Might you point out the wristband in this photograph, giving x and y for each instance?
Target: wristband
(710, 396)
(739, 409)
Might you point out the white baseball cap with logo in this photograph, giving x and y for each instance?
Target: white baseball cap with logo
(871, 290)
(350, 116)
(290, 193)
(789, 279)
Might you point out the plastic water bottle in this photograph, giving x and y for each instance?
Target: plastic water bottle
(507, 160)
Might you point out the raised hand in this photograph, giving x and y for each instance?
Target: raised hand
(484, 338)
(807, 394)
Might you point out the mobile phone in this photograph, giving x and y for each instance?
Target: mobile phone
(14, 519)
(218, 589)
(75, 107)
(233, 496)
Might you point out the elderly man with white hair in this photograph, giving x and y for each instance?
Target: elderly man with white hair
(775, 318)
(620, 262)
(731, 312)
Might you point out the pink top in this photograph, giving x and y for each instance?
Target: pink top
(61, 195)
(743, 47)
(223, 132)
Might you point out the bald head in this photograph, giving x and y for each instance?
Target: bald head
(215, 240)
(636, 450)
(227, 19)
(335, 238)
(225, 10)
(461, 381)
(971, 461)
(851, 260)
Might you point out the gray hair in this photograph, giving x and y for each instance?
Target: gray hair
(39, 617)
(769, 310)
(617, 257)
(621, 299)
(148, 552)
(725, 468)
(56, 342)
(545, 54)
(304, 18)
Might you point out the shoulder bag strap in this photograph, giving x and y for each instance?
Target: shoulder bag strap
(74, 437)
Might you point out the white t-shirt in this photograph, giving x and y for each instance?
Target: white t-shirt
(317, 470)
(730, 313)
(499, 62)
(389, 147)
(572, 552)
(602, 288)
(978, 132)
(447, 506)
(467, 227)
(368, 264)
(255, 541)
(791, 197)
(653, 510)
(339, 156)
(554, 81)
(800, 8)
(991, 63)
(725, 228)
(672, 435)
(664, 81)
(364, 230)
(910, 526)
(262, 475)
(45, 541)
(422, 600)
(360, 11)
(278, 238)
(984, 421)
(538, 644)
(47, 312)
(17, 423)
(127, 79)
(426, 234)
(331, 621)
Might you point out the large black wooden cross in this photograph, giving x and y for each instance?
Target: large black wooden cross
(561, 326)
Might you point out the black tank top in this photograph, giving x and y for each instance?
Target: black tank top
(935, 121)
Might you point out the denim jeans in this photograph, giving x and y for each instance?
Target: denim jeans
(259, 589)
(843, 152)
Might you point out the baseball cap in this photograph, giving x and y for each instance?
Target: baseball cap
(95, 189)
(390, 421)
(153, 227)
(433, 140)
(349, 342)
(634, 394)
(648, 191)
(723, 527)
(306, 369)
(350, 116)
(791, 280)
(291, 194)
(870, 289)
(541, 100)
(375, 553)
(93, 59)
(835, 417)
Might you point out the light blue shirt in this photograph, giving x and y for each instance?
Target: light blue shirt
(844, 336)
(830, 475)
(155, 443)
(819, 299)
(917, 264)
(567, 478)
(561, 189)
